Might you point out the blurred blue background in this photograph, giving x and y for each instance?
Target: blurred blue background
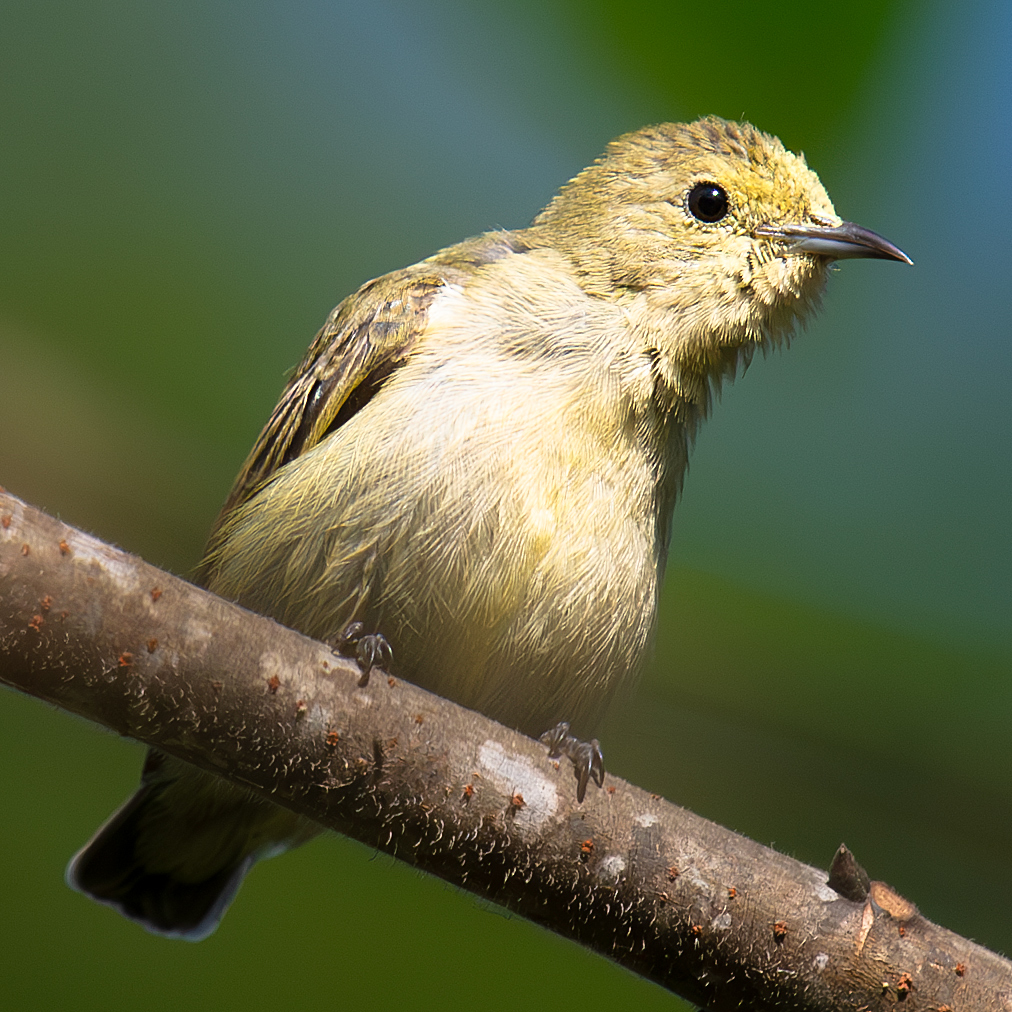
(187, 189)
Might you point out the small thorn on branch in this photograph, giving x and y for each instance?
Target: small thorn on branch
(847, 877)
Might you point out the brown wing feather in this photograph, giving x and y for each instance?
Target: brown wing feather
(364, 341)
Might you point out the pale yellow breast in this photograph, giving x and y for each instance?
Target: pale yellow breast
(490, 511)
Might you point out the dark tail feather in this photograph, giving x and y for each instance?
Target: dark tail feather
(109, 870)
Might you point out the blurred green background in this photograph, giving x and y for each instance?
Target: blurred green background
(185, 191)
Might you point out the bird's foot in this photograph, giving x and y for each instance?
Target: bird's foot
(369, 650)
(586, 756)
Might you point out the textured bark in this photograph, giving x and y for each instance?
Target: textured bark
(709, 914)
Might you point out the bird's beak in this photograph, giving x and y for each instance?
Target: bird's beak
(836, 241)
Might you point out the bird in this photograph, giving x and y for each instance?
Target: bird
(471, 475)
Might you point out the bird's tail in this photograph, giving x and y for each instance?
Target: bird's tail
(174, 855)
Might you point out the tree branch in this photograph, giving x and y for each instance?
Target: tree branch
(711, 915)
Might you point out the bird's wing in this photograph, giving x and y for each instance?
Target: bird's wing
(364, 341)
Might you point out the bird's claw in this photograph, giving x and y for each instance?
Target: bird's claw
(369, 650)
(586, 756)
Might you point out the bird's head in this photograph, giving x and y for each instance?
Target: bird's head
(712, 231)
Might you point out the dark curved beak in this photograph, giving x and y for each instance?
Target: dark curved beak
(836, 241)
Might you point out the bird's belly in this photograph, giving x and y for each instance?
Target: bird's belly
(521, 582)
(542, 621)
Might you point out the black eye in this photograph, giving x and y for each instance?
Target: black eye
(707, 202)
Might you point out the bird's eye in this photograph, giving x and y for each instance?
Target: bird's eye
(708, 202)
